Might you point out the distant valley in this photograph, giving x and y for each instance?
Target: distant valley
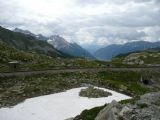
(108, 52)
(61, 46)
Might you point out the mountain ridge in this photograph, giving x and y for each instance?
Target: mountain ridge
(60, 44)
(28, 43)
(27, 32)
(111, 51)
(69, 48)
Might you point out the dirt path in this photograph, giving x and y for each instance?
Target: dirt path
(54, 71)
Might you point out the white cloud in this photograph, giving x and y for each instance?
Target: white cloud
(84, 37)
(87, 22)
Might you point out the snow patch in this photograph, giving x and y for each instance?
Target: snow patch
(57, 106)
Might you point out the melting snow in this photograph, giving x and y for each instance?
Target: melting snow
(57, 106)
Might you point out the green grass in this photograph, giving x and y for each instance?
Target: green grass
(142, 105)
(132, 101)
(127, 81)
(89, 114)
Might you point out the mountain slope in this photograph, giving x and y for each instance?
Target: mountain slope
(149, 57)
(8, 54)
(60, 44)
(112, 50)
(26, 32)
(27, 43)
(69, 48)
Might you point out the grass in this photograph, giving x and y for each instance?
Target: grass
(132, 101)
(142, 105)
(35, 85)
(126, 81)
(89, 114)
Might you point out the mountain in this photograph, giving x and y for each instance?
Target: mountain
(27, 42)
(8, 53)
(69, 48)
(41, 37)
(110, 51)
(27, 32)
(156, 49)
(60, 44)
(149, 57)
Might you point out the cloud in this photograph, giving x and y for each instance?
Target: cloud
(88, 22)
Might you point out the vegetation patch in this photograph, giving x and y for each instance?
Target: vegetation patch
(131, 101)
(139, 58)
(142, 105)
(124, 81)
(89, 114)
(92, 92)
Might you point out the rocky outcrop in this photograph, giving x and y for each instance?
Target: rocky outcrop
(93, 92)
(110, 112)
(132, 59)
(147, 108)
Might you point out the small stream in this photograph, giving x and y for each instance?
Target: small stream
(57, 106)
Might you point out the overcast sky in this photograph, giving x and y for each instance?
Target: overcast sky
(87, 22)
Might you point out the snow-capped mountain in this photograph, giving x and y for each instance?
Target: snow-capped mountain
(70, 48)
(27, 32)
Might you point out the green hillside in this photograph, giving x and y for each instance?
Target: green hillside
(147, 57)
(33, 61)
(27, 43)
(8, 54)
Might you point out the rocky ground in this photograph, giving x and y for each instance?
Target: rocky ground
(146, 108)
(14, 90)
(92, 92)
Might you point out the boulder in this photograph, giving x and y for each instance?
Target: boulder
(110, 112)
(147, 108)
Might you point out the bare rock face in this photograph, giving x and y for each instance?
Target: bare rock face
(147, 108)
(114, 111)
(110, 112)
(124, 110)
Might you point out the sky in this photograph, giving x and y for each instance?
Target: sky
(90, 23)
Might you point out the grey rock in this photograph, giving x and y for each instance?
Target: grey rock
(150, 98)
(125, 110)
(110, 112)
(147, 108)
